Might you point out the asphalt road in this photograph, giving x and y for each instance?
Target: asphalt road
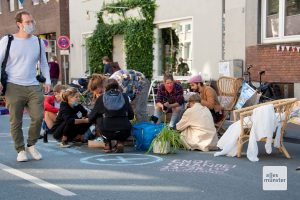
(85, 173)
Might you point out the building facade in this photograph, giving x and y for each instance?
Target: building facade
(83, 21)
(262, 33)
(197, 42)
(266, 34)
(52, 21)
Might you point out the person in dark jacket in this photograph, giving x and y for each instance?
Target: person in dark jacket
(107, 68)
(71, 122)
(112, 113)
(54, 70)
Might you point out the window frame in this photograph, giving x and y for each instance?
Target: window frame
(36, 2)
(84, 52)
(20, 6)
(169, 24)
(12, 6)
(281, 18)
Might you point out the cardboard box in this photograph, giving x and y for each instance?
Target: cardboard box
(96, 144)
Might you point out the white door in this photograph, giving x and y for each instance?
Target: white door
(119, 51)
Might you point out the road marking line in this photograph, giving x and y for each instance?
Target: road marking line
(37, 181)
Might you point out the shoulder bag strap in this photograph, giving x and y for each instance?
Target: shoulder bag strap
(10, 38)
(38, 67)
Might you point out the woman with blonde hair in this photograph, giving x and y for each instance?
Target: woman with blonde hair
(71, 122)
(96, 84)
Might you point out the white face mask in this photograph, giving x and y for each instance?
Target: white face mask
(29, 28)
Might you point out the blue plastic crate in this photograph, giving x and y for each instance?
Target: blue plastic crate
(144, 133)
(4, 111)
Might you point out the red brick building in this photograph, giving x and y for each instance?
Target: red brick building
(52, 18)
(278, 49)
(266, 34)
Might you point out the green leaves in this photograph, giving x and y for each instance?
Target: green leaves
(138, 36)
(166, 136)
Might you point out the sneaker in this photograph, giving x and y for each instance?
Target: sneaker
(64, 144)
(34, 153)
(22, 156)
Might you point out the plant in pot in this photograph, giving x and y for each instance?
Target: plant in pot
(168, 140)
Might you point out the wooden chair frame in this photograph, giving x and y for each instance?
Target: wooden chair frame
(228, 87)
(282, 108)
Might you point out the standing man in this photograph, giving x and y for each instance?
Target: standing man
(136, 86)
(54, 70)
(107, 67)
(182, 68)
(23, 89)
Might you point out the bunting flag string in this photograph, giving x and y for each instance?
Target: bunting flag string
(287, 48)
(33, 1)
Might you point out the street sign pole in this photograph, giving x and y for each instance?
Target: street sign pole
(63, 43)
(65, 68)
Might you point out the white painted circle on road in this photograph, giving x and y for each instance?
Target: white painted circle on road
(121, 159)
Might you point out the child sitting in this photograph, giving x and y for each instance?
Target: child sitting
(71, 122)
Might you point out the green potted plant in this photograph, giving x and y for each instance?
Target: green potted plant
(168, 140)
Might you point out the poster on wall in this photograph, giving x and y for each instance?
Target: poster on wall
(224, 68)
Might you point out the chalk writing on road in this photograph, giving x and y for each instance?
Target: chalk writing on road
(121, 159)
(197, 166)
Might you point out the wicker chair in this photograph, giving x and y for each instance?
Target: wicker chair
(228, 89)
(282, 108)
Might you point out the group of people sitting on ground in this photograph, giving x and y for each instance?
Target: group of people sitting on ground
(196, 120)
(123, 96)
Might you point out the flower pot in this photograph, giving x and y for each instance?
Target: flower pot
(161, 148)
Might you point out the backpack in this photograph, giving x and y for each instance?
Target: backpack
(4, 76)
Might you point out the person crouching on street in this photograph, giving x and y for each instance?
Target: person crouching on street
(197, 126)
(112, 113)
(71, 122)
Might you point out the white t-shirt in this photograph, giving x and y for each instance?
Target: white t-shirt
(23, 57)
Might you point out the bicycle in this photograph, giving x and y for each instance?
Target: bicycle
(267, 91)
(86, 97)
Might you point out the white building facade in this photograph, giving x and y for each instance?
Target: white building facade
(198, 26)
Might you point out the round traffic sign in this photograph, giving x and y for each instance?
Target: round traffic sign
(63, 42)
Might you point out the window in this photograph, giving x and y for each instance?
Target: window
(292, 17)
(188, 27)
(174, 44)
(0, 7)
(280, 20)
(11, 5)
(272, 18)
(85, 53)
(35, 2)
(20, 5)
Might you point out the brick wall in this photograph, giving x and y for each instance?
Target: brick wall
(280, 66)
